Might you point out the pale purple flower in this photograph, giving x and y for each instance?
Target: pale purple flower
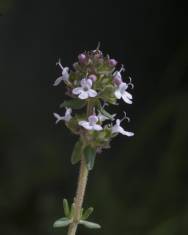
(64, 74)
(65, 118)
(121, 92)
(118, 129)
(91, 124)
(85, 90)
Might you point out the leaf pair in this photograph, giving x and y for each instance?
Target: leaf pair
(69, 215)
(88, 152)
(63, 222)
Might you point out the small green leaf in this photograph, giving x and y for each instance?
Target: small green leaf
(89, 154)
(81, 212)
(108, 91)
(77, 152)
(90, 225)
(107, 94)
(72, 210)
(66, 207)
(87, 213)
(63, 222)
(74, 104)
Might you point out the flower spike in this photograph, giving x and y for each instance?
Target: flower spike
(92, 85)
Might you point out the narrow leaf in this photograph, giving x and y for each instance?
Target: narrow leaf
(63, 222)
(87, 213)
(72, 210)
(90, 225)
(89, 154)
(77, 152)
(66, 207)
(81, 212)
(74, 104)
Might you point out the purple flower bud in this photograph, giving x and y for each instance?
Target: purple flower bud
(113, 62)
(82, 58)
(93, 77)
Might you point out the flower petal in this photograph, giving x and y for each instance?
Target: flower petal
(83, 82)
(93, 119)
(115, 129)
(97, 127)
(58, 81)
(127, 133)
(126, 99)
(123, 132)
(89, 83)
(128, 95)
(123, 86)
(77, 90)
(117, 94)
(85, 124)
(92, 93)
(83, 95)
(66, 77)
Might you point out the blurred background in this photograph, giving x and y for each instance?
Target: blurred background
(139, 186)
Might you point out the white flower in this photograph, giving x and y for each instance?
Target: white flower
(66, 118)
(85, 90)
(121, 92)
(91, 124)
(118, 129)
(64, 75)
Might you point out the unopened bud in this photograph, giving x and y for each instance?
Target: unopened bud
(113, 62)
(93, 77)
(82, 58)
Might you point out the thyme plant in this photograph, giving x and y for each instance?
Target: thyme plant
(92, 86)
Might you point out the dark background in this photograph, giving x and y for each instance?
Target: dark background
(139, 186)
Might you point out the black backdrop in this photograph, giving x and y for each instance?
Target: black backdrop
(139, 186)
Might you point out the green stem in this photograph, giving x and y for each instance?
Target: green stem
(82, 182)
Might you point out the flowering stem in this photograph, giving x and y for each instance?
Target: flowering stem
(82, 182)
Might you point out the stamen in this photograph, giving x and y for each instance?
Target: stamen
(122, 68)
(59, 63)
(130, 83)
(125, 117)
(98, 46)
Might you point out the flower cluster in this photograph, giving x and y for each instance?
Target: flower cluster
(92, 85)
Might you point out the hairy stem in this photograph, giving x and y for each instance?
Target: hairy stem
(82, 181)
